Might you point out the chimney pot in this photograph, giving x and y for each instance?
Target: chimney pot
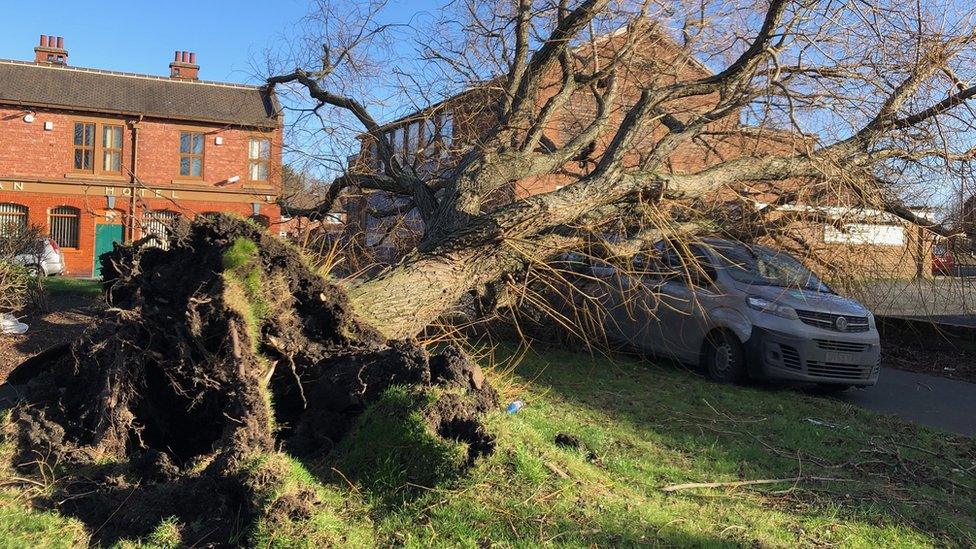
(43, 51)
(184, 65)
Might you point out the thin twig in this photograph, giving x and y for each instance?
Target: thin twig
(736, 484)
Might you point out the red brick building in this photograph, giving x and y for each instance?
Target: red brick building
(95, 157)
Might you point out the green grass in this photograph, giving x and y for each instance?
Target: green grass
(245, 288)
(66, 285)
(647, 427)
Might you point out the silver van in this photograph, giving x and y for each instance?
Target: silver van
(741, 310)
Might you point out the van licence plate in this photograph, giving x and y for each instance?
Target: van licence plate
(841, 358)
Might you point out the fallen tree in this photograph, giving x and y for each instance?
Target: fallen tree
(227, 346)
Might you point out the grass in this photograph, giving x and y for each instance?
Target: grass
(66, 285)
(644, 427)
(245, 288)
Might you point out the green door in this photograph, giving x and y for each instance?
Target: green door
(105, 236)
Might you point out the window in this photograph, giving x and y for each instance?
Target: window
(430, 133)
(397, 143)
(13, 219)
(97, 148)
(191, 154)
(160, 225)
(112, 149)
(412, 140)
(84, 146)
(64, 224)
(446, 132)
(258, 157)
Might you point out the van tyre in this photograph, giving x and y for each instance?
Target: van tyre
(723, 358)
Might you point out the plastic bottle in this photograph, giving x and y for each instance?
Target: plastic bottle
(515, 406)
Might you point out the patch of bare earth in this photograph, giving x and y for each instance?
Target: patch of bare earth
(64, 319)
(935, 357)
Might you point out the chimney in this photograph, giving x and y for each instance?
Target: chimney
(184, 66)
(51, 51)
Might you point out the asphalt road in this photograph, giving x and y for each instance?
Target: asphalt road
(937, 402)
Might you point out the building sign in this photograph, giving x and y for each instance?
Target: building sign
(127, 191)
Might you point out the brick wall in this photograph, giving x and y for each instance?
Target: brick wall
(30, 151)
(42, 161)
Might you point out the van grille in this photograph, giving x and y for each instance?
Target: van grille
(828, 321)
(839, 371)
(844, 346)
(791, 357)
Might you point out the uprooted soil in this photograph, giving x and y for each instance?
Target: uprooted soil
(63, 319)
(211, 352)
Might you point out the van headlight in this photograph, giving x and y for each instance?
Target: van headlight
(764, 305)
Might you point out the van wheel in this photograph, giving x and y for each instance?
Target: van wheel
(723, 358)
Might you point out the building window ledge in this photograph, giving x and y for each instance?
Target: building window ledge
(95, 176)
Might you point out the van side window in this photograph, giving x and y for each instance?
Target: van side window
(703, 265)
(695, 268)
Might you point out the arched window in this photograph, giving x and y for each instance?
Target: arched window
(13, 219)
(261, 220)
(160, 225)
(64, 222)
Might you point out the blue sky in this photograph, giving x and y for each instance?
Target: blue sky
(140, 36)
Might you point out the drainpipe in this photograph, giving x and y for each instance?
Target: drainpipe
(133, 179)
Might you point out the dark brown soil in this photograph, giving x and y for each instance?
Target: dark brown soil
(64, 319)
(155, 409)
(929, 348)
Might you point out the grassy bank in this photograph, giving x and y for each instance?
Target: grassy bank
(847, 476)
(67, 285)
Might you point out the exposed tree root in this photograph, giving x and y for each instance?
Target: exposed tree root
(222, 348)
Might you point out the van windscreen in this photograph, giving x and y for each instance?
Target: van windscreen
(765, 266)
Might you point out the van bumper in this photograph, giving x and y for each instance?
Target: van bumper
(832, 358)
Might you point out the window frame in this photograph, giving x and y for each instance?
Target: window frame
(75, 214)
(21, 213)
(97, 148)
(102, 149)
(191, 155)
(256, 161)
(91, 148)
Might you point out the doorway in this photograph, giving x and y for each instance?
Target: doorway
(105, 236)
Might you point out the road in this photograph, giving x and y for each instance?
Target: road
(937, 402)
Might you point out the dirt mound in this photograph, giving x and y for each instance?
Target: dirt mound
(221, 347)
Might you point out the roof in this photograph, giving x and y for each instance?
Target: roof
(92, 90)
